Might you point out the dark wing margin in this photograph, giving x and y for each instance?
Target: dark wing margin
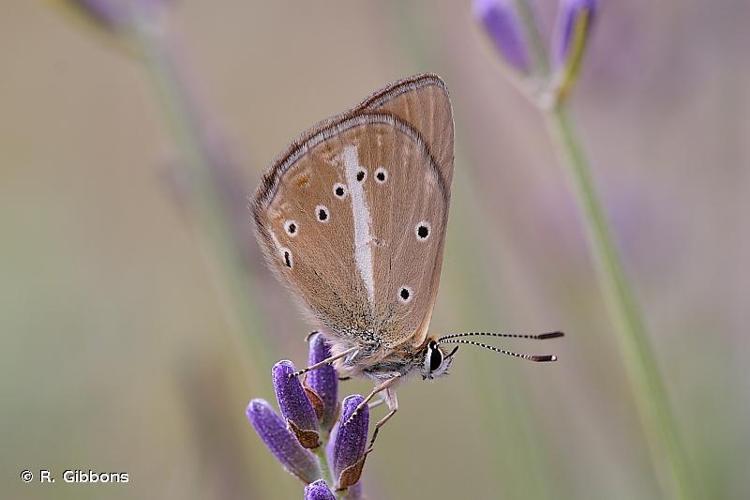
(383, 101)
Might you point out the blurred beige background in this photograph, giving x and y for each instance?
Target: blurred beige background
(116, 351)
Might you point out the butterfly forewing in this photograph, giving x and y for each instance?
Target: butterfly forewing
(317, 260)
(421, 101)
(404, 192)
(353, 217)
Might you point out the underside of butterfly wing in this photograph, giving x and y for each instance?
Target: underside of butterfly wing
(352, 218)
(422, 101)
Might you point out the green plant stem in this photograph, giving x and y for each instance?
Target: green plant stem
(211, 215)
(320, 452)
(650, 394)
(538, 47)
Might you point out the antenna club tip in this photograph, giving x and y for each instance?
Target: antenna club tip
(551, 335)
(544, 358)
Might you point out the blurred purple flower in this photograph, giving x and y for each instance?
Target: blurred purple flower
(346, 452)
(282, 443)
(354, 492)
(114, 15)
(318, 491)
(501, 22)
(323, 383)
(574, 21)
(107, 14)
(295, 406)
(289, 435)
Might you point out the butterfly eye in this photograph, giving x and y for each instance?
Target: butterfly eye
(405, 294)
(436, 358)
(291, 228)
(361, 175)
(339, 190)
(381, 175)
(423, 230)
(322, 213)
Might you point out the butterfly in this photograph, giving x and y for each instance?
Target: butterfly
(352, 219)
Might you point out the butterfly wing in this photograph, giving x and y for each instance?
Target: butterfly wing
(313, 257)
(422, 101)
(408, 201)
(338, 219)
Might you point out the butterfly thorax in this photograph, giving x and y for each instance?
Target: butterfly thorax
(375, 359)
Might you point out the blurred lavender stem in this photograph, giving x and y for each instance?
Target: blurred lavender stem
(540, 63)
(650, 394)
(640, 363)
(205, 194)
(320, 452)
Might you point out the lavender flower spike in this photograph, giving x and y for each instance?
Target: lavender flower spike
(318, 491)
(106, 14)
(346, 453)
(112, 15)
(295, 407)
(574, 21)
(503, 25)
(354, 492)
(322, 383)
(282, 443)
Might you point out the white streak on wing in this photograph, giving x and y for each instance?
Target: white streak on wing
(280, 249)
(275, 240)
(362, 221)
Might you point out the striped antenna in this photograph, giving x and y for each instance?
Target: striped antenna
(530, 357)
(540, 336)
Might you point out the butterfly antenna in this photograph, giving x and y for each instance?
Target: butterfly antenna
(530, 357)
(540, 336)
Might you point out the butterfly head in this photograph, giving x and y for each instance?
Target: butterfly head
(436, 362)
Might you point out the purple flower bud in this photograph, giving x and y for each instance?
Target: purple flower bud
(107, 14)
(323, 383)
(503, 25)
(294, 404)
(282, 443)
(346, 453)
(574, 21)
(318, 491)
(114, 15)
(354, 492)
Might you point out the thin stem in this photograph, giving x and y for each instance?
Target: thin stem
(648, 388)
(210, 213)
(326, 469)
(650, 394)
(320, 452)
(538, 49)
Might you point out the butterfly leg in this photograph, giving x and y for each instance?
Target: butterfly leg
(392, 401)
(326, 361)
(308, 337)
(377, 403)
(377, 390)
